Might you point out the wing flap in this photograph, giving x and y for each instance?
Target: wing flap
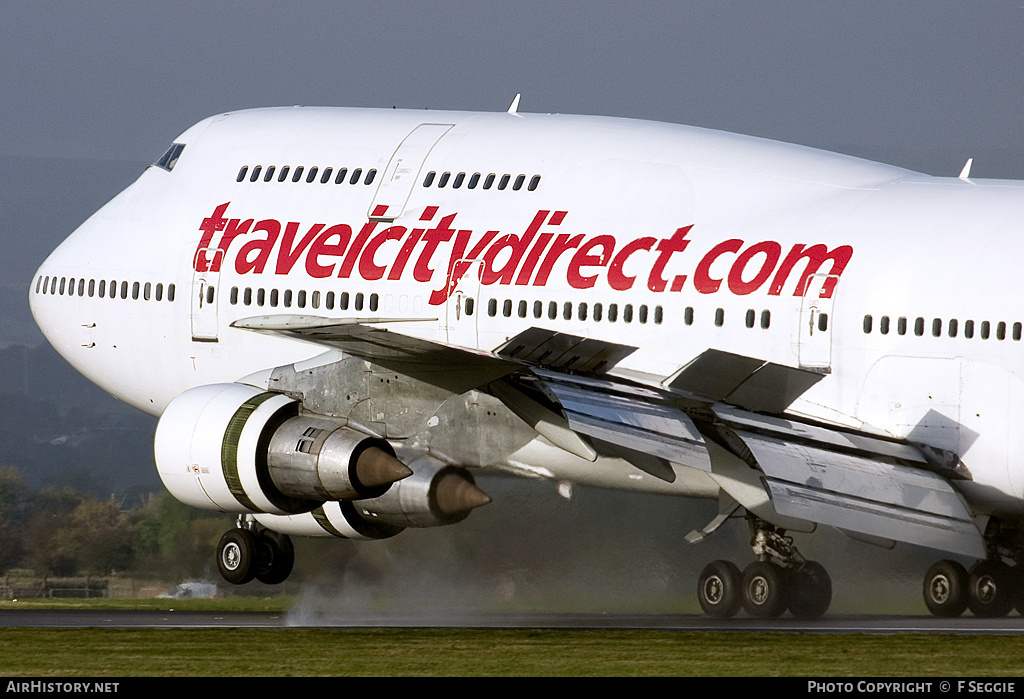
(660, 430)
(865, 495)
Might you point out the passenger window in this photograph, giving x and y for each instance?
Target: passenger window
(255, 173)
(719, 317)
(342, 174)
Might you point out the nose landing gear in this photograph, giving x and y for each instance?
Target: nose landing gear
(245, 554)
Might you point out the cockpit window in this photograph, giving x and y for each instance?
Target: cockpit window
(170, 158)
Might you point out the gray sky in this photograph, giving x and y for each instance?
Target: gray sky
(923, 85)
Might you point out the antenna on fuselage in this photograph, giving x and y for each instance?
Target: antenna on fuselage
(966, 172)
(514, 107)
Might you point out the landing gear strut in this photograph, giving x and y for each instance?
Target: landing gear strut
(245, 553)
(780, 579)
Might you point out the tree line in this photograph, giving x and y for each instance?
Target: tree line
(63, 531)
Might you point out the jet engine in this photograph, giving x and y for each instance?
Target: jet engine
(435, 495)
(234, 448)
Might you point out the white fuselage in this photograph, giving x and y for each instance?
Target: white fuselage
(669, 239)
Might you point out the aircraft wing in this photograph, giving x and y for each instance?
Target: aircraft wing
(721, 413)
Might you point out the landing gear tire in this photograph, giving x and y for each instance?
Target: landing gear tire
(236, 556)
(945, 589)
(811, 591)
(719, 589)
(991, 591)
(276, 557)
(764, 590)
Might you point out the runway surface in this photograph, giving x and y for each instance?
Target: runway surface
(48, 618)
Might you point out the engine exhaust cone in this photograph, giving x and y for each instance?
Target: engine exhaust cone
(454, 494)
(375, 467)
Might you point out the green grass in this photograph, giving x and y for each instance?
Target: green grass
(470, 652)
(217, 604)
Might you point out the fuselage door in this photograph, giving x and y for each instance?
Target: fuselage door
(816, 322)
(462, 307)
(204, 294)
(403, 172)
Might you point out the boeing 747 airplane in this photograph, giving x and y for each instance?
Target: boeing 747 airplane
(339, 314)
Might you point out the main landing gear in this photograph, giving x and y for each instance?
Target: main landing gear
(246, 553)
(991, 589)
(780, 579)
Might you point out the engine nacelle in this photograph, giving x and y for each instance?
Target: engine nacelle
(339, 519)
(234, 448)
(435, 495)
